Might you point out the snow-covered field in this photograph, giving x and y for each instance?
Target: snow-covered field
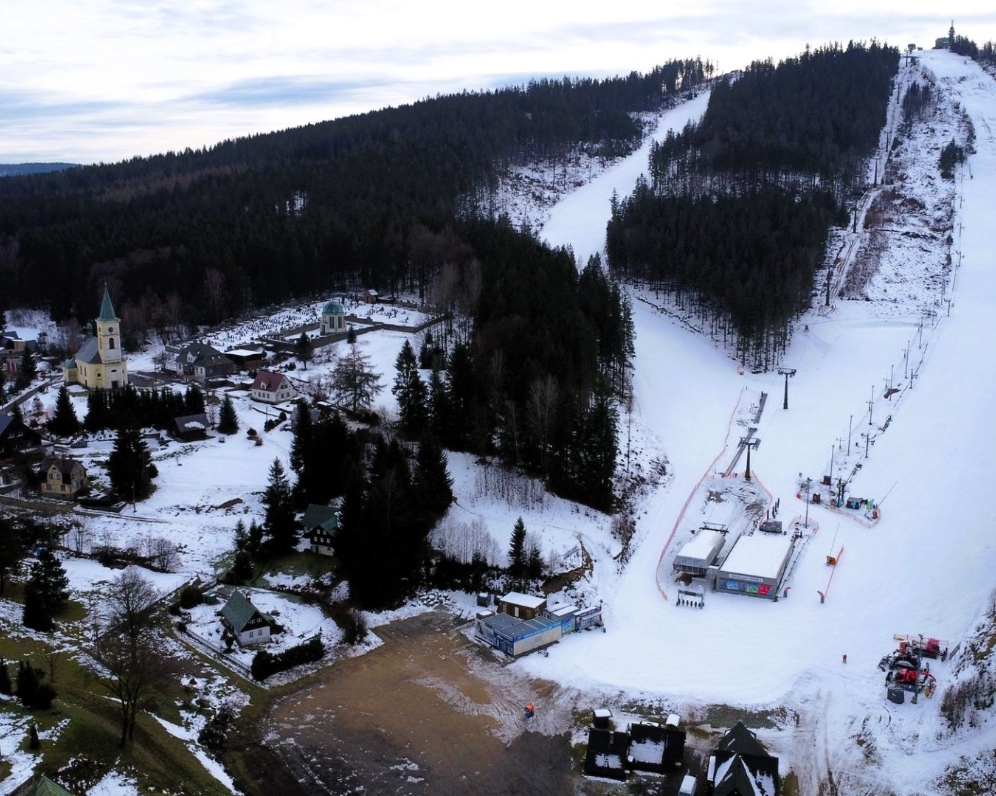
(924, 567)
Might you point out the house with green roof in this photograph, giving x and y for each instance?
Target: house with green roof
(320, 524)
(248, 624)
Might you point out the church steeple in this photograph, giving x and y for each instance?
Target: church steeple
(108, 332)
(106, 308)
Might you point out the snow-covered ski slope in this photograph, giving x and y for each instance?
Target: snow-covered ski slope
(928, 566)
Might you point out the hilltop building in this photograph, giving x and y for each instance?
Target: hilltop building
(333, 318)
(100, 361)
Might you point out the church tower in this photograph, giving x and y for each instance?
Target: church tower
(108, 332)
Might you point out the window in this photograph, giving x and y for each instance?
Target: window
(110, 343)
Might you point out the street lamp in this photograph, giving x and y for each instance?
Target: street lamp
(786, 372)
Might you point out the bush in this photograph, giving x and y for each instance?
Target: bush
(266, 663)
(191, 597)
(251, 433)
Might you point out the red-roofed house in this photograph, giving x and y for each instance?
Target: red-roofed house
(272, 388)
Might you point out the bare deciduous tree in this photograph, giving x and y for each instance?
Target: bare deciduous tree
(134, 666)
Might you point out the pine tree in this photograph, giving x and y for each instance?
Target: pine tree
(228, 420)
(193, 400)
(279, 524)
(6, 687)
(129, 466)
(410, 391)
(64, 422)
(28, 679)
(27, 372)
(303, 349)
(433, 484)
(49, 578)
(354, 382)
(36, 614)
(11, 550)
(517, 550)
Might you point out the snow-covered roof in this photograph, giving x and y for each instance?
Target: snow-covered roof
(703, 547)
(761, 555)
(523, 600)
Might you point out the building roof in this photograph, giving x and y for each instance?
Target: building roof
(523, 600)
(9, 423)
(606, 753)
(191, 423)
(106, 308)
(46, 787)
(745, 775)
(761, 555)
(741, 740)
(239, 610)
(245, 353)
(333, 308)
(703, 547)
(516, 629)
(319, 516)
(66, 464)
(89, 352)
(268, 380)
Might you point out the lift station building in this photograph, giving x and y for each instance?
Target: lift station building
(756, 565)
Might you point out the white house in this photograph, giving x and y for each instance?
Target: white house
(273, 388)
(245, 620)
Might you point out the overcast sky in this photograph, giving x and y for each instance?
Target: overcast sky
(104, 80)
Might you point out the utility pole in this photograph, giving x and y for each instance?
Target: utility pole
(867, 436)
(786, 372)
(871, 405)
(749, 443)
(809, 483)
(850, 420)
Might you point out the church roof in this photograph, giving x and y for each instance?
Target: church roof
(333, 308)
(106, 308)
(89, 352)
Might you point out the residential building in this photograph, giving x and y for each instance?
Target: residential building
(62, 477)
(272, 388)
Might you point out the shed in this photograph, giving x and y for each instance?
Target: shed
(756, 565)
(606, 755)
(247, 358)
(655, 747)
(521, 606)
(601, 718)
(189, 427)
(695, 556)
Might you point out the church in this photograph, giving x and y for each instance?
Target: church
(100, 361)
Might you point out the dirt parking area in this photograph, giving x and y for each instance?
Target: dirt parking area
(427, 712)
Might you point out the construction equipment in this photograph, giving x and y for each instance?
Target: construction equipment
(927, 648)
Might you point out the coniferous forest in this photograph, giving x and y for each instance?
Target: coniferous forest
(735, 222)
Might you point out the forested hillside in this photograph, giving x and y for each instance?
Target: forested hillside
(734, 224)
(328, 206)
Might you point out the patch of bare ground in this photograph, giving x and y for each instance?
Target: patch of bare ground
(427, 712)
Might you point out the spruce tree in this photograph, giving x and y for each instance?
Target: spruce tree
(36, 613)
(279, 524)
(49, 580)
(28, 679)
(354, 381)
(6, 687)
(27, 372)
(193, 400)
(517, 550)
(64, 422)
(129, 466)
(228, 420)
(411, 393)
(303, 349)
(433, 484)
